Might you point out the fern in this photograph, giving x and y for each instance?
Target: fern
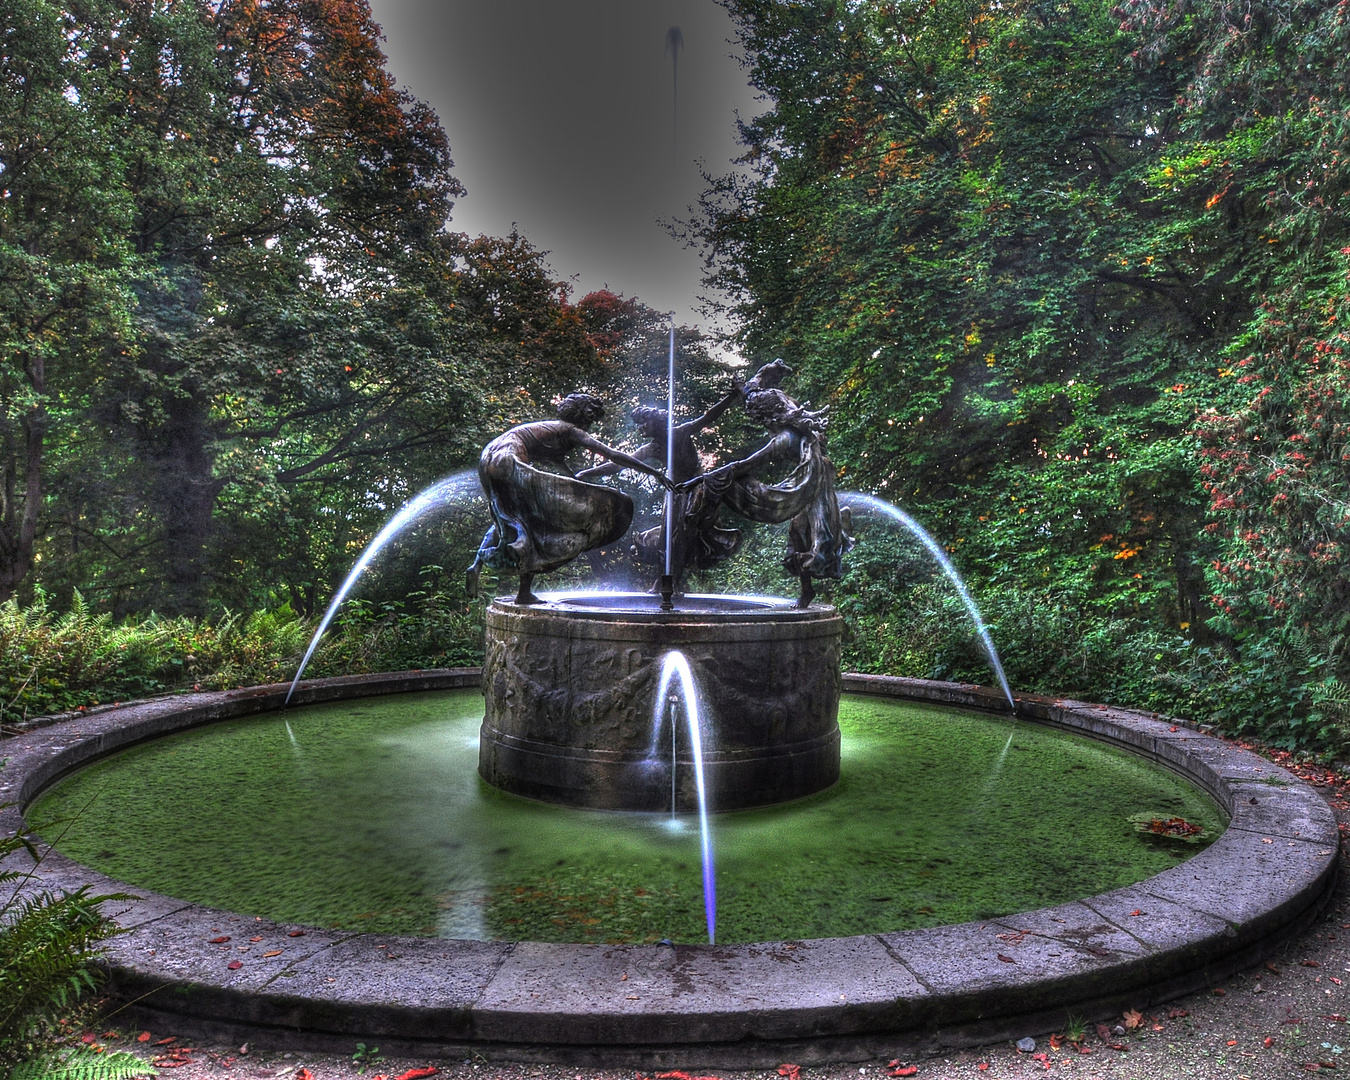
(46, 943)
(83, 1064)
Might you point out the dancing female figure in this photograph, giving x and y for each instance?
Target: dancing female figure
(818, 531)
(543, 519)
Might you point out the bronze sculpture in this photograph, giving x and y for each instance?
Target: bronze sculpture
(818, 534)
(696, 538)
(543, 519)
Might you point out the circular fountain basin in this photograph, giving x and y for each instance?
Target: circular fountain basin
(570, 687)
(903, 993)
(368, 815)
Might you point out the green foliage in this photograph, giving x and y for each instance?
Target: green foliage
(83, 1064)
(1072, 281)
(47, 945)
(57, 662)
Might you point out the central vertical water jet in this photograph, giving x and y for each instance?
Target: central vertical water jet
(668, 578)
(675, 665)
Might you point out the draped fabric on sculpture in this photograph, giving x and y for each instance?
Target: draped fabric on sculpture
(545, 520)
(817, 539)
(698, 540)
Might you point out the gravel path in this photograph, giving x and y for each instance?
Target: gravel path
(1281, 1019)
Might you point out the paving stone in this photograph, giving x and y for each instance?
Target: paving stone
(696, 993)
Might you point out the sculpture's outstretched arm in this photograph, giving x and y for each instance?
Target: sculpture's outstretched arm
(648, 452)
(734, 470)
(627, 461)
(712, 415)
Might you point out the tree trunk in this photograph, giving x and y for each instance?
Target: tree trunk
(18, 522)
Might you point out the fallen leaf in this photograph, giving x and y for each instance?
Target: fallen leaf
(908, 1070)
(274, 952)
(235, 965)
(219, 940)
(792, 1072)
(1272, 968)
(296, 933)
(1232, 1042)
(1334, 1016)
(303, 1074)
(1219, 991)
(1133, 1018)
(983, 1066)
(1136, 911)
(168, 1041)
(417, 1074)
(1056, 1041)
(1103, 1033)
(1335, 980)
(255, 939)
(1311, 963)
(144, 1036)
(1177, 1014)
(1006, 959)
(88, 1037)
(1268, 1041)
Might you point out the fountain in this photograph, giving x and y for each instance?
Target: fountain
(579, 714)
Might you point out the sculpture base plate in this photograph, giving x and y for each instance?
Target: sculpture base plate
(570, 686)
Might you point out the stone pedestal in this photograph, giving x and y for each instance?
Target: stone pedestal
(570, 686)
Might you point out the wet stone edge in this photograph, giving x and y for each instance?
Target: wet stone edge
(726, 1006)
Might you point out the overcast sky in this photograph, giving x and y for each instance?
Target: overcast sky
(559, 115)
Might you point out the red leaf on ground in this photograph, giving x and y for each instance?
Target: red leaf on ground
(144, 1036)
(417, 1074)
(1177, 1014)
(303, 1074)
(296, 933)
(235, 965)
(1136, 911)
(166, 1042)
(1334, 1016)
(1219, 991)
(1311, 963)
(983, 1066)
(219, 940)
(792, 1072)
(88, 1037)
(1103, 1033)
(1056, 1041)
(1268, 1042)
(1006, 959)
(908, 1070)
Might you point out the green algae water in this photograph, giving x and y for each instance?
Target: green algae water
(370, 815)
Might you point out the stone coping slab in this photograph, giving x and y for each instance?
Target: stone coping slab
(725, 1006)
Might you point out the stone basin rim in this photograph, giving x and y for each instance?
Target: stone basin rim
(726, 1006)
